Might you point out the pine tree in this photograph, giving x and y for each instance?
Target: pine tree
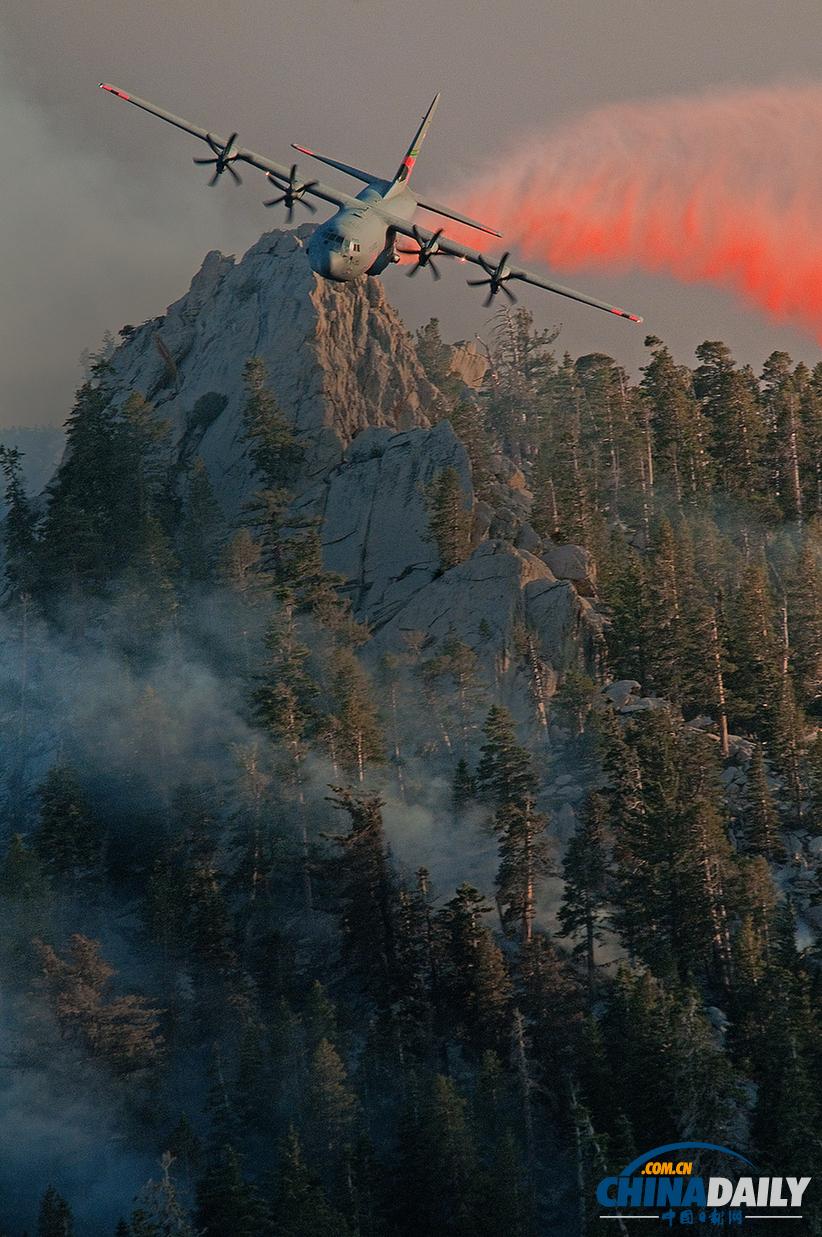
(119, 1031)
(804, 604)
(19, 537)
(274, 450)
(160, 1211)
(615, 412)
(22, 880)
(680, 433)
(504, 773)
(463, 788)
(629, 635)
(202, 533)
(760, 817)
(780, 398)
(550, 1000)
(673, 858)
(390, 681)
(476, 988)
(111, 484)
(68, 839)
(566, 464)
(301, 1207)
(811, 419)
(587, 884)
(150, 602)
(365, 893)
(449, 509)
(729, 404)
(436, 1181)
(284, 700)
(454, 669)
(468, 423)
(357, 737)
(521, 372)
(88, 527)
(330, 1112)
(227, 1204)
(435, 359)
(55, 1218)
(754, 685)
(505, 776)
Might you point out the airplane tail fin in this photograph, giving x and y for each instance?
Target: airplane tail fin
(407, 166)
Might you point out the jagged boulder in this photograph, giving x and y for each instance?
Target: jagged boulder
(573, 562)
(338, 356)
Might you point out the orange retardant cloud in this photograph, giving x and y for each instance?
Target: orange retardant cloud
(724, 188)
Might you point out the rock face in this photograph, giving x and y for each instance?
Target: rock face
(345, 372)
(337, 354)
(489, 602)
(375, 530)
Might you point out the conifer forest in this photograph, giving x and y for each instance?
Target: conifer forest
(304, 941)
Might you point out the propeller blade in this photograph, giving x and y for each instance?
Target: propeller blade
(292, 192)
(223, 160)
(498, 277)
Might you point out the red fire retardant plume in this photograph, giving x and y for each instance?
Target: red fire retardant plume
(724, 188)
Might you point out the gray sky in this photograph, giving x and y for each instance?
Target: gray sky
(105, 218)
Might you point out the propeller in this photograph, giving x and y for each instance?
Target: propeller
(293, 192)
(498, 276)
(223, 160)
(425, 252)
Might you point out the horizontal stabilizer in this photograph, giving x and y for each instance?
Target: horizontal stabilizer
(454, 214)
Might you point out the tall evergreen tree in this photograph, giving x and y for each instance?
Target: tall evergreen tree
(585, 869)
(729, 399)
(505, 776)
(476, 987)
(680, 433)
(781, 388)
(227, 1203)
(365, 893)
(67, 839)
(55, 1218)
(449, 511)
(300, 1204)
(673, 857)
(19, 538)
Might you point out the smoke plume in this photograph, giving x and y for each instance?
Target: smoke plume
(723, 188)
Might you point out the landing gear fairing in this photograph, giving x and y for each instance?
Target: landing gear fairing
(360, 239)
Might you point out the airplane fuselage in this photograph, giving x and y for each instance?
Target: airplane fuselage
(356, 241)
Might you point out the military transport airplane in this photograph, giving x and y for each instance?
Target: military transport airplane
(361, 238)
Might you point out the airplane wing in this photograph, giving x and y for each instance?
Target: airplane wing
(498, 273)
(227, 153)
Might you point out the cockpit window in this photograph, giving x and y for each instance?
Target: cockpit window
(346, 246)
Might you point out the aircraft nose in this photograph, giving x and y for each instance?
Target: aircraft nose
(319, 257)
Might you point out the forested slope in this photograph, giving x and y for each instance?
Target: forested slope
(374, 901)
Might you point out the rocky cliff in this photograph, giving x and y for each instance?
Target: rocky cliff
(346, 373)
(338, 357)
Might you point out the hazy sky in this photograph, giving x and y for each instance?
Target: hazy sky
(105, 218)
